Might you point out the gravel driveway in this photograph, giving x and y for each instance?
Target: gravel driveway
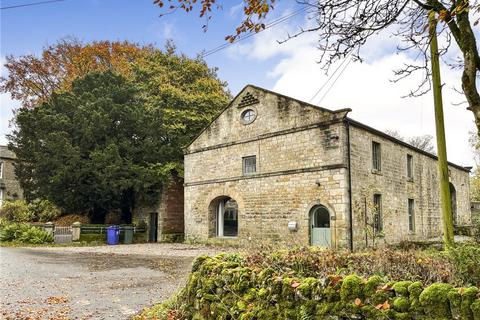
(105, 282)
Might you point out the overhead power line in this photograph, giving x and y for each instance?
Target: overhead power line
(342, 66)
(30, 4)
(329, 78)
(335, 81)
(252, 33)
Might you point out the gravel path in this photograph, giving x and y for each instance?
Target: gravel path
(149, 249)
(104, 282)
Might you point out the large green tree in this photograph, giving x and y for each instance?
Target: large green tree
(112, 142)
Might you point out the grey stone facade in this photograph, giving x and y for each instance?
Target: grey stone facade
(9, 186)
(306, 158)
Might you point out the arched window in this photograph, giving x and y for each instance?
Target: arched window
(224, 214)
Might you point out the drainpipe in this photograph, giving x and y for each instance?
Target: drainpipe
(350, 213)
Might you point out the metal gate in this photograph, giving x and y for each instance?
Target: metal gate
(63, 234)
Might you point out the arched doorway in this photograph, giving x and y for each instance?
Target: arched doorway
(224, 214)
(320, 234)
(453, 199)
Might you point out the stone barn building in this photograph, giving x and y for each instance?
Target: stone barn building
(272, 168)
(9, 186)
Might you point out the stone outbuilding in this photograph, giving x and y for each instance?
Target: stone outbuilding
(273, 168)
(9, 186)
(164, 219)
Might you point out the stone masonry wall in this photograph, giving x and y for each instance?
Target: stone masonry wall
(170, 209)
(8, 181)
(396, 189)
(300, 162)
(266, 205)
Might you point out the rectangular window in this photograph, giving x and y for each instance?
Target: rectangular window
(411, 215)
(249, 165)
(1, 197)
(409, 166)
(1, 170)
(376, 156)
(377, 213)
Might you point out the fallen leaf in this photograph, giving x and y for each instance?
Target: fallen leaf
(358, 302)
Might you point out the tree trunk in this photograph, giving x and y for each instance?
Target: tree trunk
(445, 200)
(466, 40)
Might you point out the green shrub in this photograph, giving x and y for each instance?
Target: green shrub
(476, 227)
(16, 211)
(24, 233)
(466, 260)
(43, 210)
(395, 264)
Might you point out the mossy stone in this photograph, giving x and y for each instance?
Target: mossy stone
(307, 287)
(401, 304)
(352, 287)
(372, 284)
(380, 297)
(469, 295)
(415, 289)
(323, 309)
(475, 307)
(198, 262)
(455, 300)
(434, 300)
(401, 288)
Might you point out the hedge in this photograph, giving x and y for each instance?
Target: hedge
(223, 287)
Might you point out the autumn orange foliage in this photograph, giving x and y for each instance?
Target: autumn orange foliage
(255, 12)
(33, 79)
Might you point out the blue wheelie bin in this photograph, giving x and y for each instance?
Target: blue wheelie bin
(113, 235)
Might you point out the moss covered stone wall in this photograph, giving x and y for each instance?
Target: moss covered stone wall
(223, 287)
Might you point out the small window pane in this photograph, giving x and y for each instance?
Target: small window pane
(411, 215)
(409, 166)
(376, 156)
(249, 165)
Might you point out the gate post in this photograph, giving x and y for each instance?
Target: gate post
(76, 230)
(49, 227)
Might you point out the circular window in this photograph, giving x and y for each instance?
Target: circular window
(248, 116)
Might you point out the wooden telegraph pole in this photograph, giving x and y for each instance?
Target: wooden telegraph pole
(445, 200)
